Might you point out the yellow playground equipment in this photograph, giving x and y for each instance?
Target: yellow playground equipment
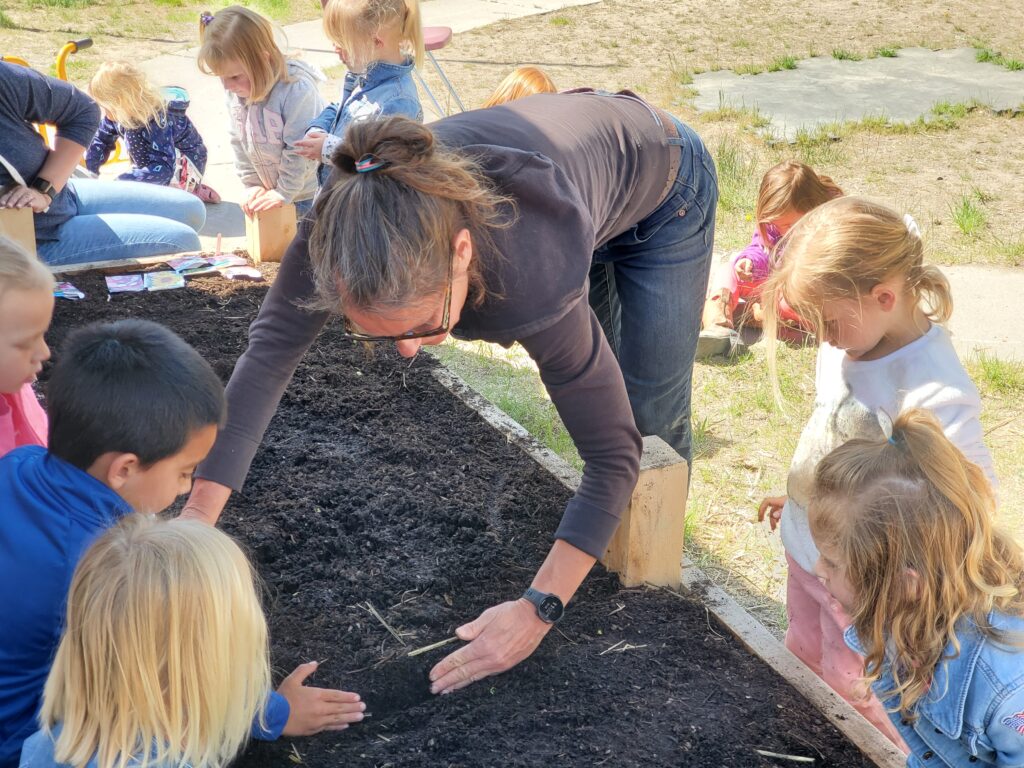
(61, 68)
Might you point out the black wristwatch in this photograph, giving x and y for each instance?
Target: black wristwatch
(549, 607)
(41, 185)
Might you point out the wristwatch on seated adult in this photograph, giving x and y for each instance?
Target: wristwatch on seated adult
(41, 185)
(549, 607)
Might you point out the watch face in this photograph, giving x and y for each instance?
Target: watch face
(550, 609)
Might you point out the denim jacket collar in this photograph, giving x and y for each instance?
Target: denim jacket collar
(376, 73)
(943, 705)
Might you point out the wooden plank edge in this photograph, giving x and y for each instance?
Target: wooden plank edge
(763, 644)
(129, 264)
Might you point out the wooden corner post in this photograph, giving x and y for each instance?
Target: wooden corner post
(18, 225)
(648, 544)
(269, 233)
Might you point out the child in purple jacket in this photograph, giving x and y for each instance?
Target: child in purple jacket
(163, 145)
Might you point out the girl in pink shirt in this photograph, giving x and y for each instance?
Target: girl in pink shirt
(26, 305)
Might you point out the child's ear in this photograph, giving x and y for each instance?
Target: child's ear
(121, 469)
(885, 296)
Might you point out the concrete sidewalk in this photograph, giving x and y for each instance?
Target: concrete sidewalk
(208, 109)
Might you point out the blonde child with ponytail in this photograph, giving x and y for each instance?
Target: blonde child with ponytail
(854, 270)
(381, 43)
(935, 593)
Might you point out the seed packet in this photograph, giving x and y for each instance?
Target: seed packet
(67, 291)
(228, 260)
(123, 283)
(161, 281)
(242, 273)
(186, 263)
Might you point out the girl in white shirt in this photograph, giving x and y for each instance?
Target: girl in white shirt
(855, 271)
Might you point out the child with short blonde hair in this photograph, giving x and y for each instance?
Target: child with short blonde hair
(381, 43)
(272, 100)
(164, 658)
(163, 145)
(26, 305)
(904, 527)
(855, 271)
(787, 192)
(520, 83)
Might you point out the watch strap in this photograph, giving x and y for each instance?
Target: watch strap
(41, 185)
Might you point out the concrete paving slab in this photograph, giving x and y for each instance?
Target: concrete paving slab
(208, 109)
(985, 318)
(825, 90)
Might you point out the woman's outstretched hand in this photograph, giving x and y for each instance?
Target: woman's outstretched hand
(498, 639)
(771, 506)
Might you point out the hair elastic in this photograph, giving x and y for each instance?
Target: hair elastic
(369, 162)
(911, 225)
(205, 18)
(892, 440)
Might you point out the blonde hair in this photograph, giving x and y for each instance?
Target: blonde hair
(914, 512)
(791, 186)
(352, 25)
(20, 270)
(239, 34)
(520, 83)
(841, 250)
(126, 95)
(164, 657)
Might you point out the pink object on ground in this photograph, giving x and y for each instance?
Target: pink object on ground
(22, 420)
(815, 636)
(435, 38)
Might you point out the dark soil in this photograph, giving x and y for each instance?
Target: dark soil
(376, 486)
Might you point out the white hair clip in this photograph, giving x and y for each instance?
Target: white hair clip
(885, 424)
(912, 227)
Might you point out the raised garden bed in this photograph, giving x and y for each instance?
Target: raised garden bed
(377, 487)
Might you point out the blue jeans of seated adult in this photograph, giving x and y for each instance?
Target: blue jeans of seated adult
(647, 288)
(126, 220)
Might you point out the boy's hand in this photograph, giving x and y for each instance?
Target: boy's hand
(317, 709)
(268, 200)
(745, 270)
(772, 507)
(311, 146)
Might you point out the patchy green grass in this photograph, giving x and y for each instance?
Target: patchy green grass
(560, 21)
(994, 57)
(783, 62)
(6, 22)
(886, 52)
(843, 55)
(738, 178)
(968, 214)
(1005, 377)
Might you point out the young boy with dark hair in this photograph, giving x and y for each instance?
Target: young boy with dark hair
(133, 409)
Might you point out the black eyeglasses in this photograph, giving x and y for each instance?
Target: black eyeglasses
(440, 330)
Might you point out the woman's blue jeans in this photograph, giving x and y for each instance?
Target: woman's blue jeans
(125, 220)
(647, 288)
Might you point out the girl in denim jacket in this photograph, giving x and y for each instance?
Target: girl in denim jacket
(381, 42)
(905, 530)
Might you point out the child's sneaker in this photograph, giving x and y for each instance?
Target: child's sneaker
(715, 341)
(206, 194)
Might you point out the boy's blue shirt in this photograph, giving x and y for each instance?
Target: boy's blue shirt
(973, 713)
(385, 89)
(50, 512)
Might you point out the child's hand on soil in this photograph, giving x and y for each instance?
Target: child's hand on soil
(499, 639)
(772, 507)
(745, 270)
(317, 709)
(311, 145)
(265, 202)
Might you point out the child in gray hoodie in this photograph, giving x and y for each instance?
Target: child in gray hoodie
(272, 100)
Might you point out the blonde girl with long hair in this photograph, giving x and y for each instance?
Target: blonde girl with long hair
(381, 43)
(26, 305)
(520, 83)
(935, 592)
(787, 192)
(163, 145)
(164, 657)
(854, 270)
(272, 99)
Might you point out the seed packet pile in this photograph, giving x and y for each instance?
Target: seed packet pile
(67, 291)
(193, 266)
(125, 283)
(162, 281)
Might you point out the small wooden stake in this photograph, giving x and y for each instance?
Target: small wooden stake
(16, 224)
(270, 233)
(648, 545)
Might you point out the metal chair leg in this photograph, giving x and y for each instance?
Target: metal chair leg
(423, 84)
(447, 82)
